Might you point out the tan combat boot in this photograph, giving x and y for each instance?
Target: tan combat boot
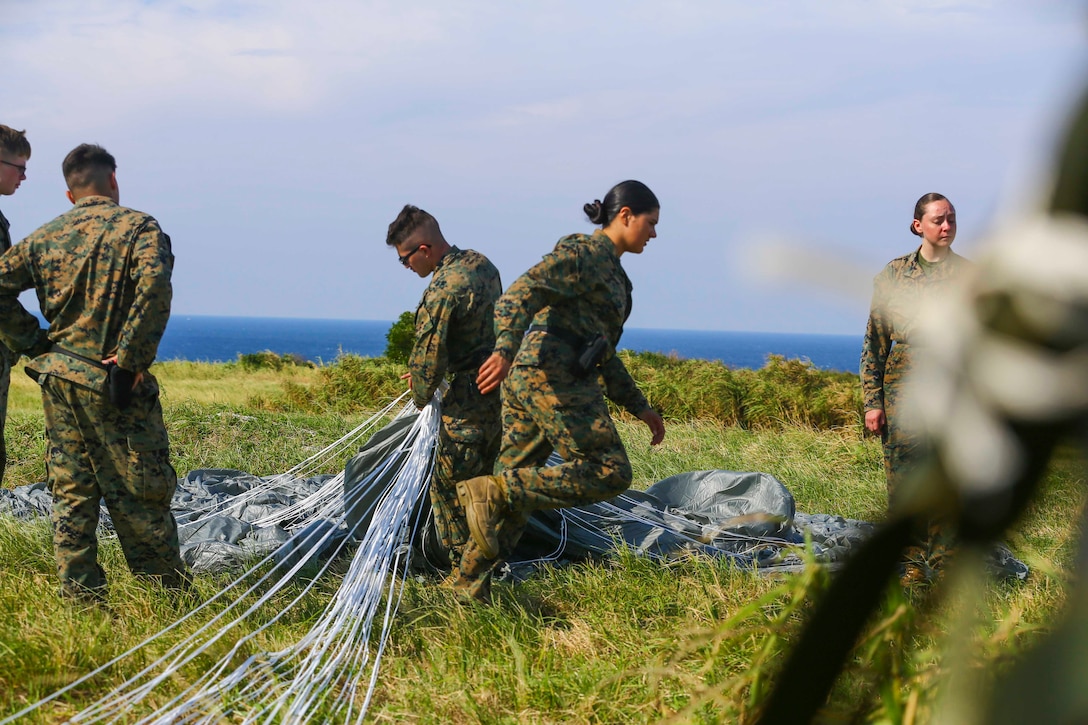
(913, 568)
(469, 591)
(484, 500)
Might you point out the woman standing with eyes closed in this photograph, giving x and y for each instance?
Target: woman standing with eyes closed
(898, 294)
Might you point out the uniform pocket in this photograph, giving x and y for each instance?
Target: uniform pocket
(151, 478)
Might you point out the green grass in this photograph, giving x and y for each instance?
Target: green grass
(626, 640)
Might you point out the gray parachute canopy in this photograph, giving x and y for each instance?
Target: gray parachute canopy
(747, 517)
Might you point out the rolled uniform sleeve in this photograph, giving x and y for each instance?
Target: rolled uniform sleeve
(876, 345)
(430, 354)
(19, 329)
(151, 270)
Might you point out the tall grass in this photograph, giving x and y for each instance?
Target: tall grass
(783, 393)
(350, 385)
(624, 640)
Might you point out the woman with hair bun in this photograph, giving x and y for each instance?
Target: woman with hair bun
(556, 332)
(898, 293)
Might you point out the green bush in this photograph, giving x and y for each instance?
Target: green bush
(783, 392)
(268, 360)
(400, 338)
(351, 384)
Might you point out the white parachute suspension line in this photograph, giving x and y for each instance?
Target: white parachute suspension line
(210, 693)
(573, 516)
(557, 553)
(336, 649)
(348, 624)
(586, 522)
(118, 692)
(347, 627)
(130, 692)
(332, 489)
(331, 509)
(332, 452)
(252, 660)
(347, 694)
(621, 514)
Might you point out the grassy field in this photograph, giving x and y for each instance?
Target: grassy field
(626, 640)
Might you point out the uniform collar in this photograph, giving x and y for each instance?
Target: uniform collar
(453, 250)
(915, 269)
(601, 237)
(95, 200)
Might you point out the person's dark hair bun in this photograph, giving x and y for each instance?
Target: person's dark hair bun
(595, 211)
(632, 194)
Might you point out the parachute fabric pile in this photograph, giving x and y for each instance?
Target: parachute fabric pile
(331, 672)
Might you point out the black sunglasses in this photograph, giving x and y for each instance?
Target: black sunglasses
(22, 169)
(405, 258)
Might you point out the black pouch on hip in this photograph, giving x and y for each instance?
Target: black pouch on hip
(590, 356)
(119, 383)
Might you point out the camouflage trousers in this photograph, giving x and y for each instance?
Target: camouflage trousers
(545, 410)
(902, 449)
(468, 444)
(121, 457)
(904, 452)
(7, 357)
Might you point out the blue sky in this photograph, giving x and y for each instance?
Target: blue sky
(275, 141)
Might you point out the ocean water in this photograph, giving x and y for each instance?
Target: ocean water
(222, 339)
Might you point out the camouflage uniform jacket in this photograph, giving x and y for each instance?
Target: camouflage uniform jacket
(5, 233)
(454, 321)
(898, 294)
(5, 245)
(582, 289)
(102, 276)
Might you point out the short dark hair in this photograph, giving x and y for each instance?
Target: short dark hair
(632, 194)
(409, 219)
(88, 165)
(920, 207)
(14, 142)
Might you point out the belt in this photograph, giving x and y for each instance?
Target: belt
(565, 335)
(91, 361)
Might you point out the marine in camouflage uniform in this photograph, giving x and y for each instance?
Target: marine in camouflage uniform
(102, 276)
(454, 334)
(7, 360)
(579, 290)
(898, 294)
(14, 153)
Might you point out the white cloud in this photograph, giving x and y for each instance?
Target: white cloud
(256, 129)
(118, 58)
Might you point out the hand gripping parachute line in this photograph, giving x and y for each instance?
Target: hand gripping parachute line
(331, 672)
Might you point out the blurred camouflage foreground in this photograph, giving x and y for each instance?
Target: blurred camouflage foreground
(1002, 380)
